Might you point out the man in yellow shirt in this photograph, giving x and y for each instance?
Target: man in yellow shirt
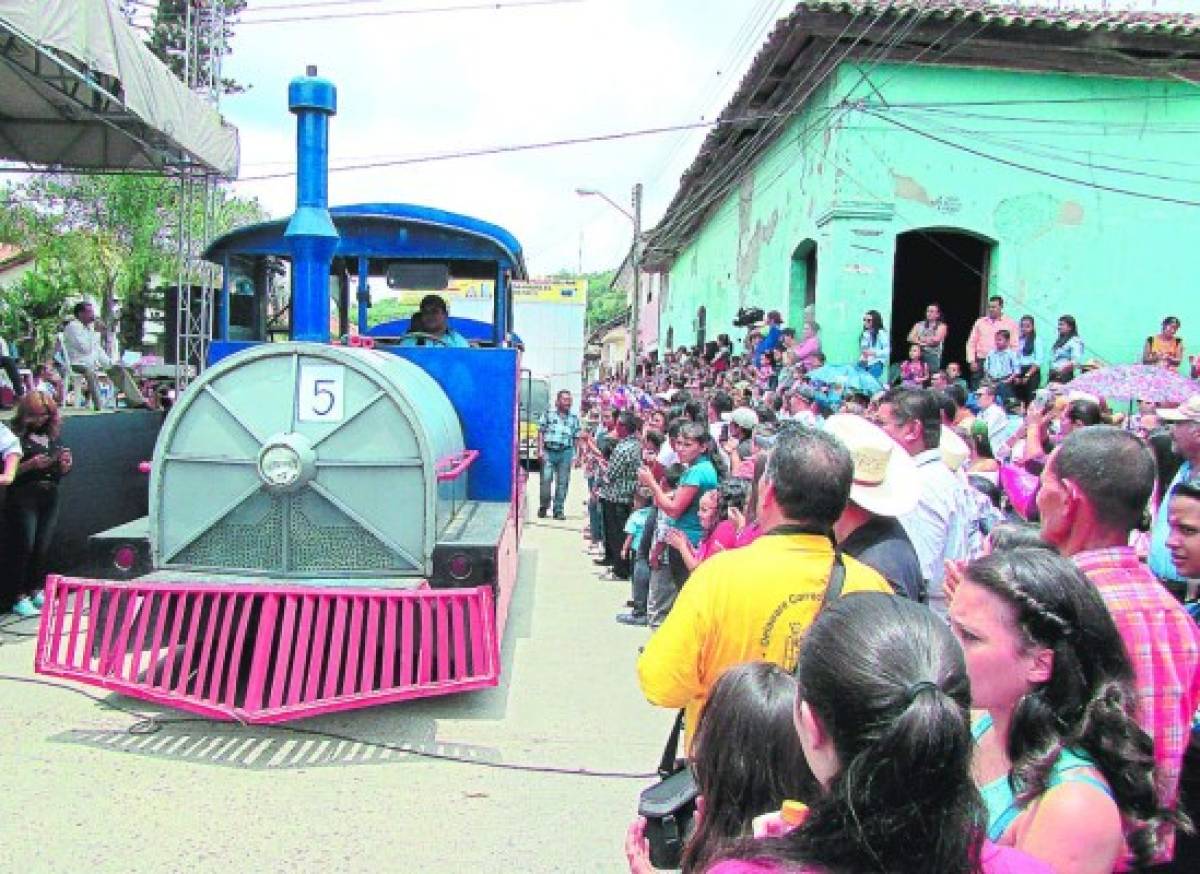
(755, 603)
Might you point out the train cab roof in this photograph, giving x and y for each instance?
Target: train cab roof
(386, 230)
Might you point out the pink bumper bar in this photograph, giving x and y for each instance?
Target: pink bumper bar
(260, 654)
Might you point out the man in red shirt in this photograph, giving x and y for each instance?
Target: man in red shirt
(1095, 490)
(983, 335)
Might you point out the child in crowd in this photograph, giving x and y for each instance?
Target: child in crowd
(1002, 366)
(661, 596)
(954, 376)
(635, 527)
(747, 759)
(914, 373)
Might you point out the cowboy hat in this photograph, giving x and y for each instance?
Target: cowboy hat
(885, 476)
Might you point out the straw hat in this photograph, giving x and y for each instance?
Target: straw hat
(955, 451)
(885, 476)
(1188, 411)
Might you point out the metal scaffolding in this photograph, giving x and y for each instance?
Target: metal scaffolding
(197, 280)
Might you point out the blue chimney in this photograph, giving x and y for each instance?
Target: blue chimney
(310, 234)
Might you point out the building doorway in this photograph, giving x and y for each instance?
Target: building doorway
(802, 290)
(949, 268)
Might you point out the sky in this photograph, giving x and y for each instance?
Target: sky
(507, 73)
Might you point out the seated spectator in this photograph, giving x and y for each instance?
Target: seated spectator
(882, 712)
(809, 343)
(1165, 348)
(1002, 366)
(756, 602)
(747, 761)
(1066, 355)
(885, 487)
(914, 373)
(47, 379)
(875, 349)
(1065, 772)
(87, 356)
(955, 376)
(991, 411)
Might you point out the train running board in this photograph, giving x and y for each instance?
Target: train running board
(241, 653)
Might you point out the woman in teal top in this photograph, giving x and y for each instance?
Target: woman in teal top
(1066, 772)
(694, 446)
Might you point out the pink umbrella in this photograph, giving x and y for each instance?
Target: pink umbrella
(1137, 382)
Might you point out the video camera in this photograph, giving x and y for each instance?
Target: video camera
(747, 316)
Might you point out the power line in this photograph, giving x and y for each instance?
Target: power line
(1046, 151)
(1019, 166)
(495, 150)
(415, 10)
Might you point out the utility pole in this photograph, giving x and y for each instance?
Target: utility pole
(635, 258)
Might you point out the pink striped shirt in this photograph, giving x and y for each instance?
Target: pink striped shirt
(1164, 647)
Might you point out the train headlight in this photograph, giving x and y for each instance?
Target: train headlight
(286, 462)
(280, 466)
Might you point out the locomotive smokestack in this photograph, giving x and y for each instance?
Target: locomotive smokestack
(311, 235)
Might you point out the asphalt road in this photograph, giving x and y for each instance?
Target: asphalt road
(81, 793)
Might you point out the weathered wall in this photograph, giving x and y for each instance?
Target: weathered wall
(1117, 263)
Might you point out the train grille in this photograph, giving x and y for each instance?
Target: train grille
(239, 653)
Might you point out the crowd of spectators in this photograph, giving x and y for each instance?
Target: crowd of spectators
(996, 553)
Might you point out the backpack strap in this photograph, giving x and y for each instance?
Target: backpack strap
(666, 767)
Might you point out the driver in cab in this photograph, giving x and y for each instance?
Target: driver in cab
(431, 321)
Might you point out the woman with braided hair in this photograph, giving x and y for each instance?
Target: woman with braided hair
(1066, 773)
(882, 713)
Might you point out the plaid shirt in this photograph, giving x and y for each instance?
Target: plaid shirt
(1163, 643)
(618, 483)
(559, 431)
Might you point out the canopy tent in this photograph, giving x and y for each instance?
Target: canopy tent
(80, 91)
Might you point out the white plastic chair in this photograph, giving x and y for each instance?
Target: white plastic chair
(75, 382)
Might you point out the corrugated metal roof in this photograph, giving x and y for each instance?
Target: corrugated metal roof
(1015, 15)
(1015, 36)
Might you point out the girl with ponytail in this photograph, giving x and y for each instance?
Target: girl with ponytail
(882, 713)
(1066, 773)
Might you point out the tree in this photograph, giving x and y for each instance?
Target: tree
(103, 237)
(168, 37)
(604, 303)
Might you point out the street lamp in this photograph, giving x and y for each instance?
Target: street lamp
(634, 258)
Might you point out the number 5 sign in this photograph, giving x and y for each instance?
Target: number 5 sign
(322, 393)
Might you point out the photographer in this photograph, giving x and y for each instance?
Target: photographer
(31, 509)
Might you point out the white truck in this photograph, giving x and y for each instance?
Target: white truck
(549, 315)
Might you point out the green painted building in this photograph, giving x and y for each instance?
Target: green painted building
(885, 155)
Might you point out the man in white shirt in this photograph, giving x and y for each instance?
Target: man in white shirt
(938, 527)
(87, 355)
(991, 413)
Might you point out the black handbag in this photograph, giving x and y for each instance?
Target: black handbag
(669, 806)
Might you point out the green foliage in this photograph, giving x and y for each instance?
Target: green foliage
(387, 310)
(98, 237)
(604, 303)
